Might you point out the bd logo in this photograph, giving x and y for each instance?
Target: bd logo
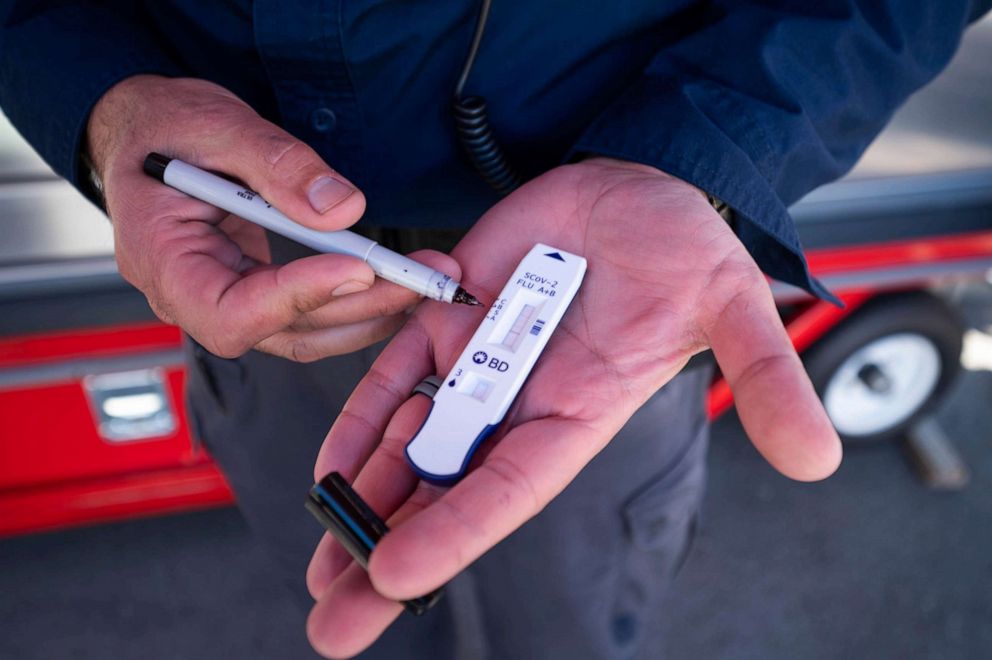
(480, 357)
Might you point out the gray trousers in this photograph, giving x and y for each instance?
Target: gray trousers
(583, 579)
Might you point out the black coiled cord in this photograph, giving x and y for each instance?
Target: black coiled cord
(476, 135)
(472, 124)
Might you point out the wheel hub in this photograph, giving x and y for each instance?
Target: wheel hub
(882, 384)
(876, 379)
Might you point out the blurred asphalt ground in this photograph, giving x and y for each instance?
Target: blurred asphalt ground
(868, 564)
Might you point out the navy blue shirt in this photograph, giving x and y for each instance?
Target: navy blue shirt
(755, 102)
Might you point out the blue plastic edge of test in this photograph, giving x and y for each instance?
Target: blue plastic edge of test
(343, 516)
(447, 479)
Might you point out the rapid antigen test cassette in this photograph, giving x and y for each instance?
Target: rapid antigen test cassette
(486, 378)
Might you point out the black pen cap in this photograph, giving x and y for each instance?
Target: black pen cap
(155, 165)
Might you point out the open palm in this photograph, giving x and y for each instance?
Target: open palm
(666, 279)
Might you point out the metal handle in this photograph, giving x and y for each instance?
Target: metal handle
(131, 405)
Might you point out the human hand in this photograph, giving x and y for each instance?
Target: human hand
(208, 271)
(666, 279)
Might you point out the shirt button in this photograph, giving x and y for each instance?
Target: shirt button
(323, 120)
(624, 628)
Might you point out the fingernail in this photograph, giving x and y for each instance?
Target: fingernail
(351, 286)
(327, 192)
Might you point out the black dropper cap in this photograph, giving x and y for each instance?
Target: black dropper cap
(356, 527)
(155, 165)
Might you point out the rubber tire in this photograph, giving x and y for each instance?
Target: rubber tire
(917, 312)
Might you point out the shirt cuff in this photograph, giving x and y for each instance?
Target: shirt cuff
(673, 133)
(57, 63)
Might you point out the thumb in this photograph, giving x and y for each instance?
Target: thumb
(286, 172)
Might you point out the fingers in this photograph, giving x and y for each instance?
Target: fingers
(351, 322)
(328, 561)
(286, 172)
(350, 616)
(228, 312)
(204, 123)
(777, 404)
(385, 482)
(438, 539)
(405, 361)
(314, 345)
(357, 430)
(383, 299)
(355, 436)
(170, 247)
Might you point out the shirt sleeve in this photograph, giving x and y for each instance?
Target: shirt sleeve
(775, 97)
(58, 58)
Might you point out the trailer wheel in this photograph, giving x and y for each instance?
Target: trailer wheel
(886, 365)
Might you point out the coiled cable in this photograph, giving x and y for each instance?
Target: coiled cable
(472, 126)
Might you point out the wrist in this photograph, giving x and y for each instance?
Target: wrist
(111, 121)
(619, 165)
(717, 204)
(146, 112)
